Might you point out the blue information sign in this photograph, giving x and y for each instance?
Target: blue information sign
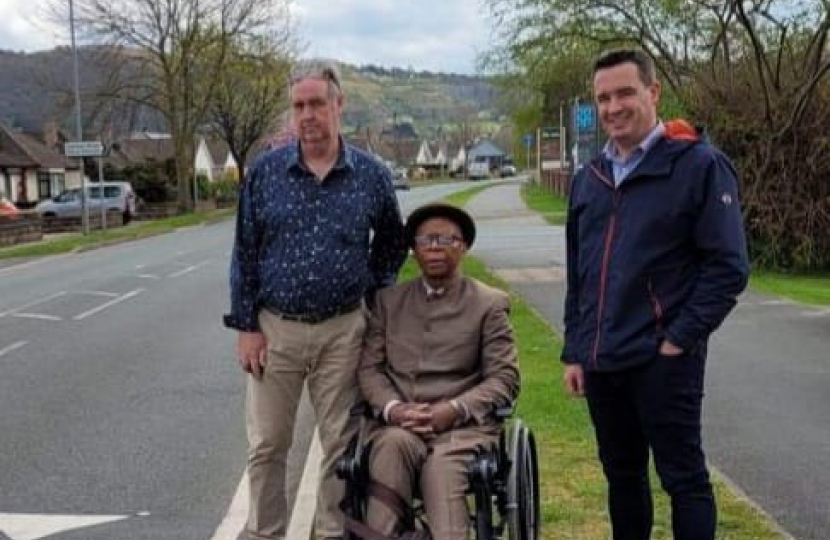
(586, 118)
(528, 139)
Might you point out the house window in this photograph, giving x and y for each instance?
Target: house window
(6, 189)
(50, 184)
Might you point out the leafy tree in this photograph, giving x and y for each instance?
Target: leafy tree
(755, 72)
(251, 93)
(175, 52)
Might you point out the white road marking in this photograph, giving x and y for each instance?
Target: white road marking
(35, 303)
(149, 276)
(35, 526)
(816, 313)
(775, 303)
(105, 305)
(13, 347)
(99, 293)
(187, 270)
(234, 520)
(302, 516)
(38, 316)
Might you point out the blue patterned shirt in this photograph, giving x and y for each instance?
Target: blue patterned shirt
(307, 247)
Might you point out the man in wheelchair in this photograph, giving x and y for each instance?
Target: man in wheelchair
(438, 355)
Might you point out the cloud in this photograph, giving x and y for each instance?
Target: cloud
(23, 26)
(434, 35)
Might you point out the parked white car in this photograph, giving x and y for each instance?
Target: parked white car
(508, 169)
(118, 197)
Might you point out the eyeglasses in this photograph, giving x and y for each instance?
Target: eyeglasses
(440, 240)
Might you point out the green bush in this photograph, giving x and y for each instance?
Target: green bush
(224, 189)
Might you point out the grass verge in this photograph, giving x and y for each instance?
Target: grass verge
(813, 290)
(806, 289)
(571, 482)
(460, 198)
(77, 241)
(553, 208)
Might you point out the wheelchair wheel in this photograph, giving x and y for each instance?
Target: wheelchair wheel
(523, 485)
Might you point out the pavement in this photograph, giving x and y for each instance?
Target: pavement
(766, 407)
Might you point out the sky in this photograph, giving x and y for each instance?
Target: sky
(433, 35)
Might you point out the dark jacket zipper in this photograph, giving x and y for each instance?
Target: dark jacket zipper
(656, 306)
(610, 231)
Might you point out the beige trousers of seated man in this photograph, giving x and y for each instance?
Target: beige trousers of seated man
(403, 461)
(325, 356)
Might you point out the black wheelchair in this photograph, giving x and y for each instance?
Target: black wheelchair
(503, 487)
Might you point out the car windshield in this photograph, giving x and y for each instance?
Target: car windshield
(67, 196)
(110, 192)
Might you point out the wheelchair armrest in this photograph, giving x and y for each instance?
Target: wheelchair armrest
(503, 412)
(365, 410)
(350, 466)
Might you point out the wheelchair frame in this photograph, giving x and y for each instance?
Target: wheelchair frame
(503, 482)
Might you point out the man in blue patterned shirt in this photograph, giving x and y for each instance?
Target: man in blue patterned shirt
(318, 231)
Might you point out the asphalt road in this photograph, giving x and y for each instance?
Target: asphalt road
(767, 399)
(121, 404)
(118, 392)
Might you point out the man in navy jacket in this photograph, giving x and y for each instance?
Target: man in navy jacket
(656, 259)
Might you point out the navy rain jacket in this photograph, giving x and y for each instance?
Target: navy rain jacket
(663, 256)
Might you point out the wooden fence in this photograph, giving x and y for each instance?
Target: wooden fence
(556, 182)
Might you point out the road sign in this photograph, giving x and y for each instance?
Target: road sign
(550, 133)
(586, 118)
(84, 149)
(528, 139)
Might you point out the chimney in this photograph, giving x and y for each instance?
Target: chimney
(50, 134)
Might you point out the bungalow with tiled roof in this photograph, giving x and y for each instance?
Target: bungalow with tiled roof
(31, 171)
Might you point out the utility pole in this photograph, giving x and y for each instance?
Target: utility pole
(78, 126)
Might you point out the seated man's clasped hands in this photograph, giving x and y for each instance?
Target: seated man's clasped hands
(439, 356)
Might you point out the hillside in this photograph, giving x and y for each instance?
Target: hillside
(38, 88)
(430, 101)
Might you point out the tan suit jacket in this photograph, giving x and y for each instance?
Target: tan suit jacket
(459, 346)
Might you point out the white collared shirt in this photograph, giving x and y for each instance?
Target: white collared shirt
(623, 167)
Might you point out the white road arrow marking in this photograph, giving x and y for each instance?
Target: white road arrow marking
(13, 347)
(34, 526)
(105, 305)
(188, 269)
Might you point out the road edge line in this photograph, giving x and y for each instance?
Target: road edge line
(235, 518)
(305, 504)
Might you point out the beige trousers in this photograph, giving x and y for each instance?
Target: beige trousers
(436, 469)
(325, 356)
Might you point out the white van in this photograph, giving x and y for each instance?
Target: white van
(480, 168)
(118, 197)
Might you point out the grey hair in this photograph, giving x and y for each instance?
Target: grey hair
(317, 69)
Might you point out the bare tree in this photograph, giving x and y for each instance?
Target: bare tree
(174, 52)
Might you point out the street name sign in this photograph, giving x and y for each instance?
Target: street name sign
(84, 149)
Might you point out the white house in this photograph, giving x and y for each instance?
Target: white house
(213, 160)
(440, 157)
(424, 155)
(459, 161)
